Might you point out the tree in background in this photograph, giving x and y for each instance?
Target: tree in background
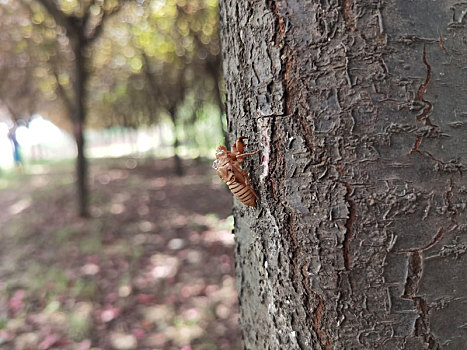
(159, 60)
(178, 67)
(152, 63)
(359, 110)
(83, 22)
(24, 44)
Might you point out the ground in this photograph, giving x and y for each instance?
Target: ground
(151, 269)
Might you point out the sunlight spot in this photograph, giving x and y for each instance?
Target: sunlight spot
(38, 169)
(225, 237)
(158, 182)
(159, 314)
(157, 5)
(193, 257)
(166, 266)
(184, 334)
(122, 341)
(131, 164)
(124, 291)
(192, 314)
(104, 179)
(108, 314)
(146, 226)
(211, 289)
(176, 244)
(222, 311)
(163, 271)
(228, 282)
(19, 206)
(90, 269)
(117, 208)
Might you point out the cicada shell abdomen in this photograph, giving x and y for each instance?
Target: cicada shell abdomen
(244, 193)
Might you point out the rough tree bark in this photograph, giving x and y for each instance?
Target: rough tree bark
(359, 240)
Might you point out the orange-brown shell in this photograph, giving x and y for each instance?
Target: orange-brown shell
(228, 168)
(244, 193)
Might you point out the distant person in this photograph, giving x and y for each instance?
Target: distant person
(16, 148)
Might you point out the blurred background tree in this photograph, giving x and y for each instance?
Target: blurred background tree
(101, 64)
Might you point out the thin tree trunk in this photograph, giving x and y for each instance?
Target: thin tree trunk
(359, 239)
(79, 122)
(81, 171)
(81, 31)
(179, 171)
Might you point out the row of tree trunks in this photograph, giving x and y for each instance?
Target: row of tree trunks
(360, 237)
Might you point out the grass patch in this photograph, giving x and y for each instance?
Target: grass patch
(63, 235)
(91, 244)
(84, 288)
(42, 278)
(3, 322)
(80, 321)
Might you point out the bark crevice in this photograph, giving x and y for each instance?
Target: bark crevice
(424, 116)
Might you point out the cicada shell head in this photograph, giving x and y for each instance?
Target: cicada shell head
(221, 151)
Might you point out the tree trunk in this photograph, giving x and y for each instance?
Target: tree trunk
(179, 171)
(79, 122)
(360, 236)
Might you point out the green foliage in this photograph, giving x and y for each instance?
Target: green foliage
(162, 64)
(155, 61)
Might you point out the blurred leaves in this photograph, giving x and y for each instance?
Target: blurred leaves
(154, 60)
(157, 59)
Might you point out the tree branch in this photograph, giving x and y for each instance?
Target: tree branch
(100, 25)
(60, 18)
(61, 91)
(13, 114)
(87, 12)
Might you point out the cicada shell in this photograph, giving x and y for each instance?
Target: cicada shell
(227, 166)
